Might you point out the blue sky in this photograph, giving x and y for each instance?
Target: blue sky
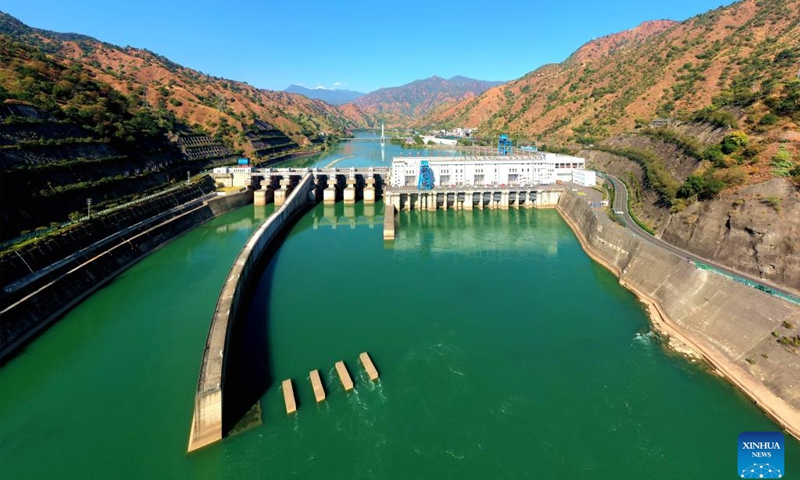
(354, 44)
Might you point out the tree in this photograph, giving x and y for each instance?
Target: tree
(733, 141)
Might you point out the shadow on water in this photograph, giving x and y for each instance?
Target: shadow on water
(248, 367)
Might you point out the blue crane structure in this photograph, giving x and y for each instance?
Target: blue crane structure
(425, 181)
(504, 146)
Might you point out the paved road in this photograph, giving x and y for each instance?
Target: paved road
(621, 205)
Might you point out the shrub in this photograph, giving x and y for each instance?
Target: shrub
(717, 117)
(732, 142)
(782, 164)
(788, 103)
(768, 119)
(714, 155)
(704, 187)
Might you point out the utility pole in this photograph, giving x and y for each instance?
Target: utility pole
(89, 207)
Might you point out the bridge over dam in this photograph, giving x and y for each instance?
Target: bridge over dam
(352, 184)
(331, 184)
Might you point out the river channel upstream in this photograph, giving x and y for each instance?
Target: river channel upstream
(504, 352)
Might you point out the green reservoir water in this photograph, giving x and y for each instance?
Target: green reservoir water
(504, 352)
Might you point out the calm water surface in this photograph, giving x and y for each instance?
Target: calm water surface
(504, 352)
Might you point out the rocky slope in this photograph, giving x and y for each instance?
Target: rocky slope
(754, 230)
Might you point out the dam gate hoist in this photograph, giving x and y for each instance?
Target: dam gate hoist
(425, 181)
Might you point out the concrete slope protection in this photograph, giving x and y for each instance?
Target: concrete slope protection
(621, 205)
(207, 418)
(730, 324)
(53, 295)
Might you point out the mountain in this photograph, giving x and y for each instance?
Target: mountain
(84, 119)
(218, 106)
(658, 69)
(401, 106)
(329, 96)
(700, 118)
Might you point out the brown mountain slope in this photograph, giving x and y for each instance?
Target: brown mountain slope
(657, 69)
(218, 106)
(609, 44)
(205, 101)
(718, 175)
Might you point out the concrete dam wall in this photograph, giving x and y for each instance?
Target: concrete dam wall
(209, 398)
(48, 299)
(729, 324)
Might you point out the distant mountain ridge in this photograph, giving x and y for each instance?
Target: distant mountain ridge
(327, 95)
(401, 106)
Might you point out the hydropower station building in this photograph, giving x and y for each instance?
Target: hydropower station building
(538, 168)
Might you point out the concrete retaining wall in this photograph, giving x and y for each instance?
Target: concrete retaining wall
(22, 321)
(207, 418)
(728, 323)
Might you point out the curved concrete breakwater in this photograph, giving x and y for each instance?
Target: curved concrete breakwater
(729, 324)
(207, 417)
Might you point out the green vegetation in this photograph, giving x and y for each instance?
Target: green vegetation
(716, 116)
(688, 145)
(787, 104)
(70, 94)
(644, 226)
(774, 202)
(702, 187)
(768, 119)
(792, 341)
(733, 142)
(656, 175)
(782, 164)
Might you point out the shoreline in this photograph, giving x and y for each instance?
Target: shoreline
(777, 409)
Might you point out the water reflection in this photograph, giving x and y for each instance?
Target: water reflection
(464, 231)
(353, 216)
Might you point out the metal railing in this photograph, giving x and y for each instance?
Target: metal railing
(45, 232)
(749, 283)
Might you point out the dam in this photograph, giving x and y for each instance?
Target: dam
(503, 350)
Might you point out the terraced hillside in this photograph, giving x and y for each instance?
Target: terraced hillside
(82, 119)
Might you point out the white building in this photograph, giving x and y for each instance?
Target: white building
(564, 165)
(438, 140)
(586, 178)
(536, 169)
